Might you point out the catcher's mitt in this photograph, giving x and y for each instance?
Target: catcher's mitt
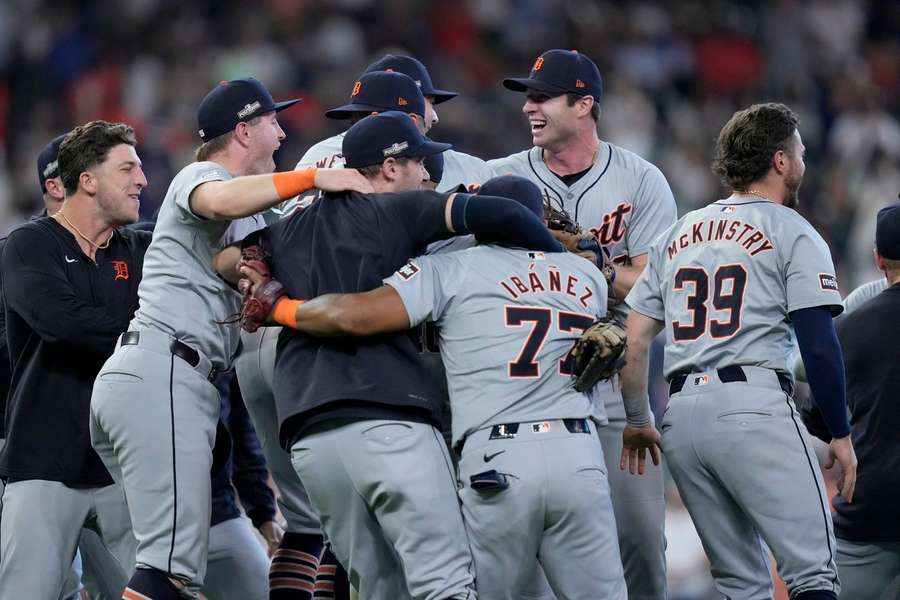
(598, 354)
(257, 300)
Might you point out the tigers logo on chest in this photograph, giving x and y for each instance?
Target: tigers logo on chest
(612, 226)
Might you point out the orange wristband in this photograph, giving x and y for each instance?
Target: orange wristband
(291, 183)
(285, 312)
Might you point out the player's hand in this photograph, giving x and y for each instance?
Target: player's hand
(635, 443)
(341, 180)
(841, 451)
(473, 188)
(272, 532)
(255, 277)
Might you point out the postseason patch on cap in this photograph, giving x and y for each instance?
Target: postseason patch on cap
(249, 109)
(828, 282)
(395, 148)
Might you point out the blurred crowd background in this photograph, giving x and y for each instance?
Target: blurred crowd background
(673, 74)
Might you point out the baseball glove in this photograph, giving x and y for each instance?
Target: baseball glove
(257, 300)
(598, 354)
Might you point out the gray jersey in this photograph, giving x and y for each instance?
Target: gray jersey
(724, 279)
(507, 319)
(623, 200)
(863, 294)
(465, 169)
(180, 293)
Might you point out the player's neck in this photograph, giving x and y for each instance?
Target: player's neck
(577, 154)
(766, 188)
(83, 219)
(236, 163)
(893, 277)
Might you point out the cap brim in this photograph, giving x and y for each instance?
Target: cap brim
(523, 84)
(428, 148)
(441, 95)
(348, 110)
(279, 106)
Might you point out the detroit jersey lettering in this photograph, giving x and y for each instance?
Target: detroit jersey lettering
(507, 321)
(737, 265)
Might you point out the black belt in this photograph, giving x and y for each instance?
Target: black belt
(509, 430)
(728, 375)
(178, 348)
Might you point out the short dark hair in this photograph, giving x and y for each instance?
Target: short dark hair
(748, 141)
(88, 145)
(572, 98)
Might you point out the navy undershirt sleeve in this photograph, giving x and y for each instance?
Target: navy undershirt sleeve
(501, 221)
(824, 363)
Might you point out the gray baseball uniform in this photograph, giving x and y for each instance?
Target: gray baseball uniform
(532, 474)
(626, 203)
(154, 410)
(863, 294)
(723, 279)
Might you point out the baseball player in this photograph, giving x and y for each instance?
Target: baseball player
(867, 534)
(625, 203)
(863, 294)
(154, 409)
(70, 286)
(733, 283)
(360, 416)
(532, 476)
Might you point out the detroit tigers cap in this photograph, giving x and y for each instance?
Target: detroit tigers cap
(887, 232)
(434, 164)
(560, 72)
(47, 161)
(382, 91)
(375, 138)
(234, 101)
(414, 68)
(515, 188)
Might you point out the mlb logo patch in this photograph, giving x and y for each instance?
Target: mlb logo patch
(408, 271)
(828, 282)
(701, 380)
(542, 427)
(536, 255)
(729, 209)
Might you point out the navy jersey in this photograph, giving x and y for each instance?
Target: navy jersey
(348, 243)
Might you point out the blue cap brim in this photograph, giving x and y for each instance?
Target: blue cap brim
(428, 148)
(348, 110)
(279, 106)
(523, 84)
(441, 95)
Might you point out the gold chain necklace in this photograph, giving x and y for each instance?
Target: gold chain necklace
(754, 193)
(102, 246)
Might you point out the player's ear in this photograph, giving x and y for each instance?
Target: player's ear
(55, 188)
(242, 133)
(780, 162)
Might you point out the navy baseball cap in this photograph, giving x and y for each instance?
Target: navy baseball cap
(234, 101)
(515, 188)
(416, 70)
(560, 72)
(434, 164)
(389, 134)
(380, 91)
(48, 163)
(887, 232)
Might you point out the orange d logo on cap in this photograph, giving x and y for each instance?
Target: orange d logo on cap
(538, 64)
(356, 87)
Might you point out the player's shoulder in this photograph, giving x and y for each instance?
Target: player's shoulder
(514, 163)
(325, 149)
(623, 159)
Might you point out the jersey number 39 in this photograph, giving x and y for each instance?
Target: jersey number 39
(729, 283)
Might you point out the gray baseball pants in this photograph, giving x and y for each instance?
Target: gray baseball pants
(540, 492)
(747, 473)
(39, 529)
(255, 368)
(868, 570)
(386, 495)
(237, 568)
(153, 423)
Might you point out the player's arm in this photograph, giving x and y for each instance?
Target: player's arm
(627, 275)
(639, 434)
(225, 263)
(498, 220)
(366, 313)
(824, 363)
(250, 194)
(38, 289)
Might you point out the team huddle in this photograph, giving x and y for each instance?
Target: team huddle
(407, 325)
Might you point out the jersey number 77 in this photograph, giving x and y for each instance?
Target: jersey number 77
(541, 319)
